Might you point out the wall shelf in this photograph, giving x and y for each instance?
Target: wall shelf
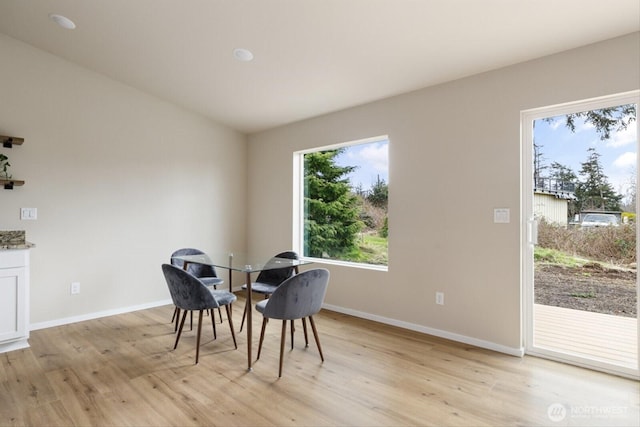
(10, 141)
(10, 183)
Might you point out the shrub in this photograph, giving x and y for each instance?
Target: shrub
(384, 231)
(628, 217)
(615, 245)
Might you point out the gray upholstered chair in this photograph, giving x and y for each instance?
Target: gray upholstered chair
(189, 293)
(268, 280)
(206, 273)
(298, 297)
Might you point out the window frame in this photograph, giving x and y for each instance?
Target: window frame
(528, 228)
(298, 205)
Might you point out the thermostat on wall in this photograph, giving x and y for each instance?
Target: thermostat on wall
(501, 215)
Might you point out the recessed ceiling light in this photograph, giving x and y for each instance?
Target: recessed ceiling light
(63, 21)
(244, 55)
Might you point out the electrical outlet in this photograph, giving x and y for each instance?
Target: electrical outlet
(75, 288)
(440, 298)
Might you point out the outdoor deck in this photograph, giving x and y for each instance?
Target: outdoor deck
(602, 337)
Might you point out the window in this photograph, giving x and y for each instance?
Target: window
(340, 208)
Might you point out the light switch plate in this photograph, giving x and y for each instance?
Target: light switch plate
(28, 213)
(501, 215)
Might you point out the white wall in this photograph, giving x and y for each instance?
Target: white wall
(454, 157)
(120, 179)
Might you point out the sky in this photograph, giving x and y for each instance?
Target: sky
(617, 154)
(371, 159)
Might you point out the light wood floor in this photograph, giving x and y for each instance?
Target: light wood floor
(121, 370)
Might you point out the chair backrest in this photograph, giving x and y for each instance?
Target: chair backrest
(198, 270)
(187, 291)
(299, 296)
(278, 275)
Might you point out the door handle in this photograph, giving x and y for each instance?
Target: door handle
(533, 231)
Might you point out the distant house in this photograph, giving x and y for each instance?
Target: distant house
(551, 200)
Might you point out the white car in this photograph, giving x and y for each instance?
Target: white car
(600, 220)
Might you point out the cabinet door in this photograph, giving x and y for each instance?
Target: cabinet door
(12, 303)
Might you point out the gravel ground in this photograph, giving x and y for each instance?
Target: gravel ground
(589, 288)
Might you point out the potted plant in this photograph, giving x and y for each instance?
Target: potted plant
(4, 166)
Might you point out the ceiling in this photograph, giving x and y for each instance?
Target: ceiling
(311, 57)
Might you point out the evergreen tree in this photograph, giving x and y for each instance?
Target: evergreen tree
(384, 231)
(331, 212)
(379, 196)
(605, 120)
(594, 190)
(564, 179)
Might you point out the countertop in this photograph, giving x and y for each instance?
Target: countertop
(25, 245)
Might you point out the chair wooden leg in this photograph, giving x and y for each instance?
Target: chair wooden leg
(175, 328)
(293, 329)
(213, 323)
(219, 314)
(192, 320)
(304, 327)
(315, 335)
(175, 311)
(233, 334)
(264, 324)
(282, 335)
(244, 316)
(184, 316)
(198, 336)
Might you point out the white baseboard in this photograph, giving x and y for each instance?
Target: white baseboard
(96, 315)
(518, 352)
(14, 345)
(512, 351)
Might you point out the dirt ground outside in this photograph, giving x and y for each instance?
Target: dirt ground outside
(592, 287)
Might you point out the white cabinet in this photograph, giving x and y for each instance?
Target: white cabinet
(14, 299)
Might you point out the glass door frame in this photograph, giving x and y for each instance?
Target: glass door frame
(529, 231)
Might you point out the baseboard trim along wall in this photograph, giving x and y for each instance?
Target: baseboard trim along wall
(96, 315)
(518, 352)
